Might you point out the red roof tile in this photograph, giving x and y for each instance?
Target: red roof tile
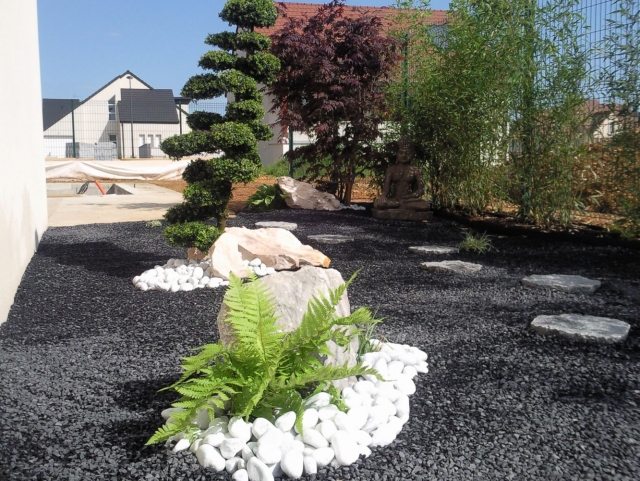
(386, 14)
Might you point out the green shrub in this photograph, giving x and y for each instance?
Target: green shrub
(267, 197)
(479, 244)
(192, 234)
(154, 223)
(264, 372)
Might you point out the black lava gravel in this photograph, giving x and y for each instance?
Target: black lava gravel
(83, 354)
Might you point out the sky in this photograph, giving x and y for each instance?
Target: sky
(86, 43)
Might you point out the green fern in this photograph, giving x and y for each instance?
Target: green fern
(263, 371)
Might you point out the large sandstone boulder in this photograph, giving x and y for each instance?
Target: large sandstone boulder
(277, 248)
(292, 291)
(226, 258)
(301, 195)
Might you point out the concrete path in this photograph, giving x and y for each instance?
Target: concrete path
(148, 202)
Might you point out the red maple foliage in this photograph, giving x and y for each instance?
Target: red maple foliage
(331, 86)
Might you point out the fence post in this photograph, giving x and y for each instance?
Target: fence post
(73, 130)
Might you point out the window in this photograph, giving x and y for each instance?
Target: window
(158, 140)
(141, 141)
(112, 108)
(150, 141)
(112, 138)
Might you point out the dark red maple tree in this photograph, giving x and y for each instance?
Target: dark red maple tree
(331, 86)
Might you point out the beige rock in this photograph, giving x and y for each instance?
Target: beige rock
(225, 257)
(301, 195)
(276, 247)
(292, 292)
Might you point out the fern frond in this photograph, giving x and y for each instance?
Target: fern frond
(360, 316)
(193, 364)
(325, 373)
(165, 432)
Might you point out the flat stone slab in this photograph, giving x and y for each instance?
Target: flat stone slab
(458, 267)
(401, 214)
(281, 225)
(330, 238)
(564, 283)
(586, 328)
(434, 249)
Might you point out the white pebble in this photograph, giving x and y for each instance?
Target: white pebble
(323, 456)
(345, 448)
(255, 262)
(204, 281)
(402, 406)
(261, 426)
(358, 416)
(175, 287)
(239, 429)
(292, 464)
(365, 387)
(135, 280)
(268, 453)
(327, 429)
(394, 370)
(314, 438)
(309, 419)
(195, 445)
(410, 372)
(181, 445)
(365, 451)
(240, 475)
(420, 355)
(258, 471)
(166, 414)
(310, 465)
(362, 438)
(389, 407)
(142, 286)
(231, 446)
(405, 385)
(198, 273)
(247, 453)
(327, 412)
(270, 270)
(343, 423)
(422, 367)
(383, 436)
(214, 440)
(231, 465)
(209, 457)
(286, 421)
(186, 287)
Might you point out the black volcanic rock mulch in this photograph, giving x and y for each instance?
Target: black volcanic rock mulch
(83, 354)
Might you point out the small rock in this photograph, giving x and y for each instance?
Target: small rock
(434, 250)
(209, 457)
(458, 267)
(232, 465)
(320, 400)
(261, 426)
(310, 465)
(314, 438)
(230, 447)
(239, 429)
(286, 421)
(258, 471)
(383, 436)
(240, 475)
(345, 448)
(282, 225)
(292, 464)
(309, 419)
(323, 456)
(330, 238)
(181, 445)
(585, 328)
(327, 429)
(268, 453)
(273, 437)
(564, 283)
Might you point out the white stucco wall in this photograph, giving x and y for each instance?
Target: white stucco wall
(23, 197)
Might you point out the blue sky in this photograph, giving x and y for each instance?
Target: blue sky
(86, 43)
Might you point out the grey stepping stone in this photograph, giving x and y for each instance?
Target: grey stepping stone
(281, 225)
(434, 249)
(330, 238)
(458, 267)
(587, 328)
(564, 283)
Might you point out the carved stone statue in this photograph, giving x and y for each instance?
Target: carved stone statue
(403, 189)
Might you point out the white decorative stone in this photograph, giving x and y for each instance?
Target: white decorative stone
(231, 446)
(402, 406)
(422, 367)
(383, 436)
(405, 385)
(386, 404)
(377, 417)
(239, 429)
(246, 453)
(434, 250)
(209, 457)
(274, 437)
(281, 225)
(268, 453)
(320, 400)
(166, 413)
(585, 328)
(314, 438)
(459, 267)
(261, 426)
(327, 429)
(292, 464)
(327, 412)
(198, 273)
(258, 471)
(186, 287)
(323, 456)
(343, 423)
(364, 451)
(345, 448)
(410, 372)
(214, 440)
(240, 475)
(365, 387)
(310, 465)
(181, 445)
(394, 370)
(302, 195)
(231, 465)
(286, 421)
(309, 419)
(195, 445)
(358, 416)
(362, 438)
(564, 283)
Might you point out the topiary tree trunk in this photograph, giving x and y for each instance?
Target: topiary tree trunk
(237, 69)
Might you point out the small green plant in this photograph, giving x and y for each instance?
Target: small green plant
(479, 244)
(192, 234)
(267, 197)
(264, 371)
(154, 223)
(364, 339)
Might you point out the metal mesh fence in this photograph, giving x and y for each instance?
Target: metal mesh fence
(103, 130)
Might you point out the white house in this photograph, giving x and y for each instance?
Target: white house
(125, 118)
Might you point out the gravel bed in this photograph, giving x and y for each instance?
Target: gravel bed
(83, 354)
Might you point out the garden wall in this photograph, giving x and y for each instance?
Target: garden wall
(23, 198)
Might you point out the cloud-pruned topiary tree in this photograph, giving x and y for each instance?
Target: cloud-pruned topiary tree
(238, 66)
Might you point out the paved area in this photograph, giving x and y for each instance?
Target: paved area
(148, 202)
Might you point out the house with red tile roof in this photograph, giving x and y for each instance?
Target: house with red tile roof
(274, 149)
